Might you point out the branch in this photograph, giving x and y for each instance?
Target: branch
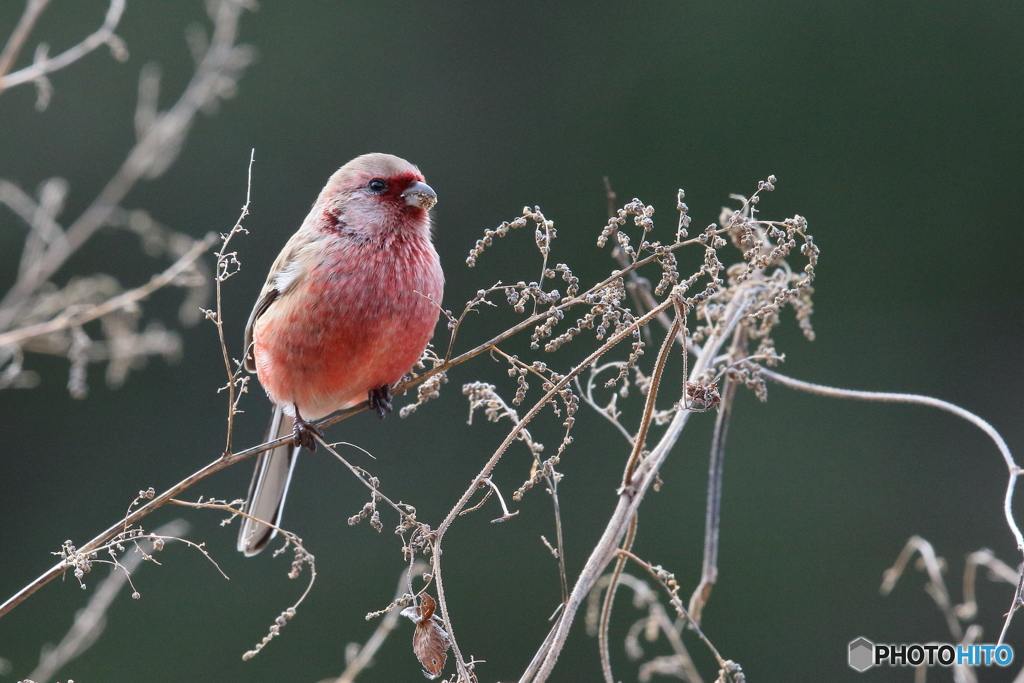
(103, 35)
(133, 518)
(214, 77)
(76, 318)
(936, 586)
(33, 8)
(228, 265)
(668, 582)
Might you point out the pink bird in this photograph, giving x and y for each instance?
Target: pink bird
(347, 309)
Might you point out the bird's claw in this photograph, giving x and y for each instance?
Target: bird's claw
(305, 433)
(380, 400)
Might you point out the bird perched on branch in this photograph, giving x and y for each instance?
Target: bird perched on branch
(347, 309)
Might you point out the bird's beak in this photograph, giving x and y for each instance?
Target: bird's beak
(420, 195)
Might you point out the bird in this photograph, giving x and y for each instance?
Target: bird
(347, 310)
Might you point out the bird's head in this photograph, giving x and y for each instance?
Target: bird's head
(379, 191)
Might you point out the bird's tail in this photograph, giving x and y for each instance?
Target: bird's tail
(269, 487)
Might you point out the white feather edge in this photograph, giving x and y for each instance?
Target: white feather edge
(269, 489)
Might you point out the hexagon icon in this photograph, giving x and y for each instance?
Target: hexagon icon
(862, 654)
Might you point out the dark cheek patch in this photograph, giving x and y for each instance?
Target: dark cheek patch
(331, 221)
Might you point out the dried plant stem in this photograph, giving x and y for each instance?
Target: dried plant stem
(538, 317)
(587, 394)
(226, 461)
(724, 311)
(563, 579)
(509, 439)
(885, 397)
(361, 476)
(631, 496)
(643, 593)
(212, 468)
(225, 261)
(505, 514)
(134, 517)
(519, 327)
(936, 584)
(638, 443)
(997, 570)
(652, 394)
(677, 604)
(302, 557)
(716, 465)
(609, 599)
(91, 620)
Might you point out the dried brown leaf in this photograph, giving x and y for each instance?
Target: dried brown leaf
(430, 642)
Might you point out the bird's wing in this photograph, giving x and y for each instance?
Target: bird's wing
(288, 270)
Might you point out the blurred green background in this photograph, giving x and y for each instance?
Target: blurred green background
(895, 127)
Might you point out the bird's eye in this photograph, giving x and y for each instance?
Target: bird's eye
(377, 186)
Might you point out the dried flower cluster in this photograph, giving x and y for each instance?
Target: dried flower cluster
(702, 312)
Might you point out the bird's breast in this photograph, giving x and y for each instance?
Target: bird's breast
(359, 319)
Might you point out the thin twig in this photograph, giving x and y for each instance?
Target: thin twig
(505, 514)
(559, 543)
(509, 439)
(652, 394)
(227, 265)
(223, 462)
(361, 476)
(646, 597)
(638, 443)
(607, 412)
(936, 586)
(302, 557)
(534, 319)
(677, 603)
(134, 517)
(640, 472)
(998, 571)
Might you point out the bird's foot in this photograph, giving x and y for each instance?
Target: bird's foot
(380, 400)
(305, 433)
